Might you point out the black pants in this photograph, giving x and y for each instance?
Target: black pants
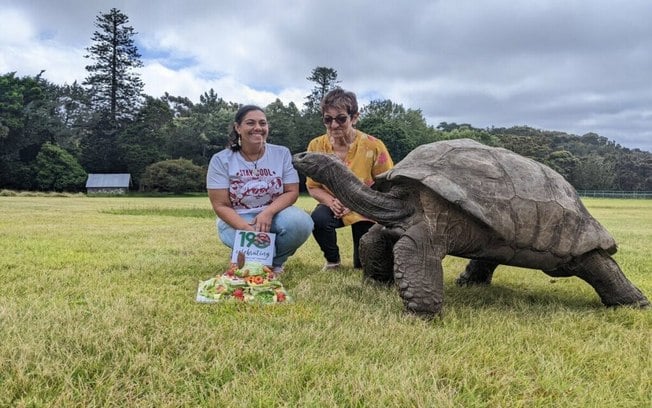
(326, 236)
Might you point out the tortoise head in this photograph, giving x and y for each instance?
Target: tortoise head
(328, 170)
(323, 168)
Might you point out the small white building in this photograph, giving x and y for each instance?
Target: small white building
(115, 183)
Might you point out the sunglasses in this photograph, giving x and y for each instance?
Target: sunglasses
(340, 119)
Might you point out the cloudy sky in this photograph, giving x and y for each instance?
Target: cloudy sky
(572, 66)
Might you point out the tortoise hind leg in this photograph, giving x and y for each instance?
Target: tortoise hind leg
(376, 254)
(600, 271)
(418, 271)
(477, 273)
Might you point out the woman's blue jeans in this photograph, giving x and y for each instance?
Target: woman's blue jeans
(291, 225)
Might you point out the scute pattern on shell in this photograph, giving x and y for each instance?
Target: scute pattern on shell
(523, 201)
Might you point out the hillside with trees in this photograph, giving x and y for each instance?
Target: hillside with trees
(52, 135)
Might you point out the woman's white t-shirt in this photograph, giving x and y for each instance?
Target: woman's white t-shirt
(252, 187)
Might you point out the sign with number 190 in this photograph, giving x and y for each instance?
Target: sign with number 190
(256, 246)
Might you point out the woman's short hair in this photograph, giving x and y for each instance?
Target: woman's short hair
(338, 98)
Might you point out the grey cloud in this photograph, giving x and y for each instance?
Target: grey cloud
(577, 66)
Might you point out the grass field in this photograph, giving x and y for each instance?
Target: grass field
(97, 309)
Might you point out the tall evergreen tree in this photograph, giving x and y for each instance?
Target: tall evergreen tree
(115, 86)
(100, 152)
(325, 79)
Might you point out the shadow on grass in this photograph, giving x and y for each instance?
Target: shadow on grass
(488, 297)
(501, 296)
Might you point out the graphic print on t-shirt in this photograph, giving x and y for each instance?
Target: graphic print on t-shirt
(248, 191)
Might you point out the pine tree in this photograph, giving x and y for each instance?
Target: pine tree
(115, 88)
(325, 79)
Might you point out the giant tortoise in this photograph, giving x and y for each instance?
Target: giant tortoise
(487, 204)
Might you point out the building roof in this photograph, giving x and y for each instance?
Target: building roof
(108, 180)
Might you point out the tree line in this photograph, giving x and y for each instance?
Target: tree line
(52, 136)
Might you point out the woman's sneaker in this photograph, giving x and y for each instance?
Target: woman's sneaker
(331, 265)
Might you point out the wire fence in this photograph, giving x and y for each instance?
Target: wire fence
(615, 194)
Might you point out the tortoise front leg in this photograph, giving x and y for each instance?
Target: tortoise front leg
(376, 254)
(418, 271)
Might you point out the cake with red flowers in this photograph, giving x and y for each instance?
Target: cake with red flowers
(250, 282)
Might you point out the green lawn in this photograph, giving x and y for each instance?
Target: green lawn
(97, 309)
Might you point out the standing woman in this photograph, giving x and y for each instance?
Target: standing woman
(252, 186)
(365, 155)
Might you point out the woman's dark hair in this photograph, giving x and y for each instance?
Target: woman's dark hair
(338, 98)
(239, 115)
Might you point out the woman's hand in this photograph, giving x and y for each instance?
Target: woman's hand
(338, 208)
(325, 198)
(262, 222)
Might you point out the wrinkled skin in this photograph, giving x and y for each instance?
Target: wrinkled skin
(465, 199)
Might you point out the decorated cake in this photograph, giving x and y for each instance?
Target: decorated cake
(248, 282)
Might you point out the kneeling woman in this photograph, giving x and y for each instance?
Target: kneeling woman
(252, 186)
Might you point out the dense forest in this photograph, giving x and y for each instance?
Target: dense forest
(52, 136)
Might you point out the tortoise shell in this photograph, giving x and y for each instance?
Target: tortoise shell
(522, 200)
